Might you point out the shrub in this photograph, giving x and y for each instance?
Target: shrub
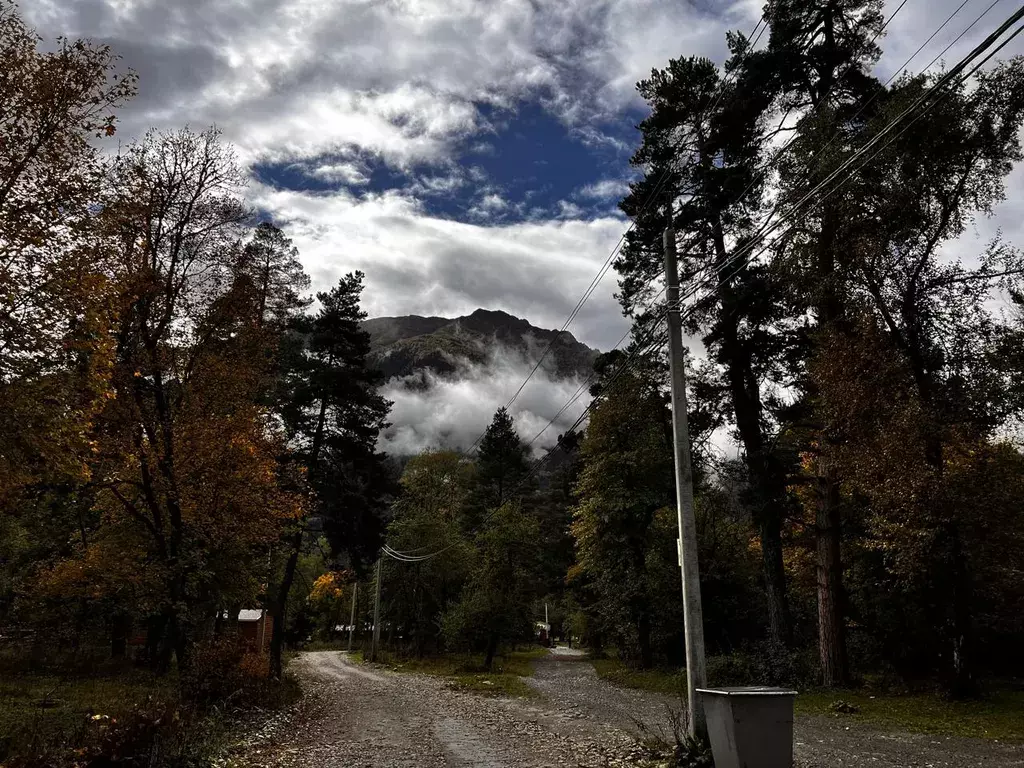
(214, 674)
(732, 669)
(772, 664)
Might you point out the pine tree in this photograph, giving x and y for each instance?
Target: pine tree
(269, 267)
(501, 467)
(333, 415)
(721, 130)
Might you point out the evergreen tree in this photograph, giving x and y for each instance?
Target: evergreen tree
(502, 466)
(722, 132)
(333, 415)
(818, 60)
(495, 606)
(935, 335)
(269, 267)
(624, 520)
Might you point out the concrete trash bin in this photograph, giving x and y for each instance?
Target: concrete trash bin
(750, 727)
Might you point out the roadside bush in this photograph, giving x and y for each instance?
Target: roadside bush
(731, 669)
(764, 664)
(772, 664)
(122, 715)
(215, 674)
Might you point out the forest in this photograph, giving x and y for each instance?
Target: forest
(187, 431)
(868, 367)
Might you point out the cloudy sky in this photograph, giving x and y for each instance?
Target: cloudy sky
(462, 153)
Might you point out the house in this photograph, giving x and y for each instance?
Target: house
(542, 631)
(255, 628)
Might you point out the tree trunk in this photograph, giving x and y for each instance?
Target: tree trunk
(492, 648)
(154, 634)
(182, 644)
(766, 499)
(281, 606)
(779, 630)
(643, 630)
(166, 643)
(831, 620)
(120, 626)
(962, 684)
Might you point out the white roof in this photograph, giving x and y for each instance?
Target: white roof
(250, 614)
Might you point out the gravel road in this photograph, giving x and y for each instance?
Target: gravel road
(355, 716)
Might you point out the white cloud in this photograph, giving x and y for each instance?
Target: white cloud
(605, 190)
(340, 173)
(292, 80)
(419, 264)
(569, 210)
(489, 206)
(453, 412)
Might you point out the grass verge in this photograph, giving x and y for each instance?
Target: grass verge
(670, 681)
(466, 671)
(78, 715)
(1000, 715)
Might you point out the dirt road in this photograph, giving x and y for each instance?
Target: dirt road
(354, 716)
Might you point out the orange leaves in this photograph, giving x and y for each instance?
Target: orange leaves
(330, 585)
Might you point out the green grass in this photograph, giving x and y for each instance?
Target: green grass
(45, 713)
(1000, 715)
(52, 710)
(465, 671)
(671, 681)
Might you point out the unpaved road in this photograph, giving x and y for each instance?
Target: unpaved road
(355, 716)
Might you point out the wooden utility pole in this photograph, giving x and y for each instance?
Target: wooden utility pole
(693, 615)
(352, 616)
(376, 613)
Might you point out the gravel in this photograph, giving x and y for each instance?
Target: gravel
(353, 716)
(357, 716)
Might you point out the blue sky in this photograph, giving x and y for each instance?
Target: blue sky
(461, 153)
(527, 165)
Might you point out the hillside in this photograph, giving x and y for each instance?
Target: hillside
(403, 346)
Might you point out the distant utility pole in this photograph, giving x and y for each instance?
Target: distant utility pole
(694, 620)
(376, 613)
(352, 617)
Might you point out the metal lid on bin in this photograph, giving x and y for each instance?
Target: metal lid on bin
(748, 690)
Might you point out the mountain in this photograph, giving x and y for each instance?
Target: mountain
(410, 345)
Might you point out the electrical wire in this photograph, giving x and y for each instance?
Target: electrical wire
(622, 239)
(794, 209)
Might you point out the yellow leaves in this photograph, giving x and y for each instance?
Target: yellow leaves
(328, 586)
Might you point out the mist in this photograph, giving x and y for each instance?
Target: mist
(432, 412)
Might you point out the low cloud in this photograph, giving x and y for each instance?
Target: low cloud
(432, 411)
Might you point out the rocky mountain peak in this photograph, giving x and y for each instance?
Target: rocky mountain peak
(411, 344)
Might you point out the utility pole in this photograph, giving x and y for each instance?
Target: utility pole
(694, 620)
(352, 617)
(376, 613)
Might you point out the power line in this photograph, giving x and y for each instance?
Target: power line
(793, 210)
(622, 239)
